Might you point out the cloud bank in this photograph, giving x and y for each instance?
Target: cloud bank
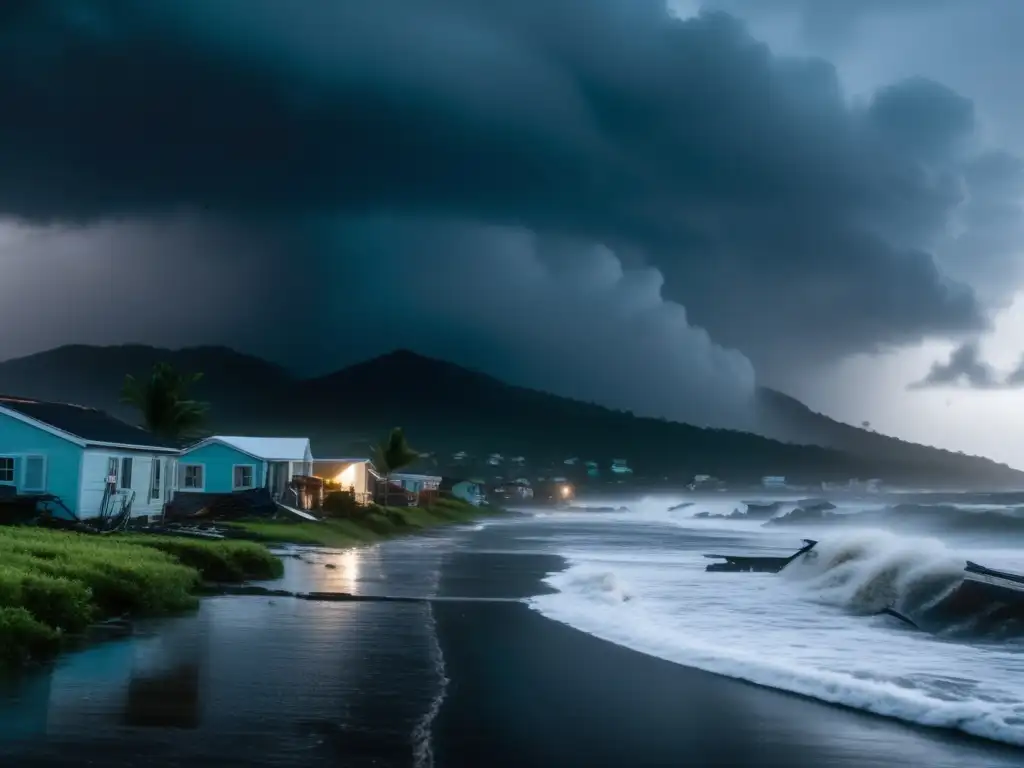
(565, 178)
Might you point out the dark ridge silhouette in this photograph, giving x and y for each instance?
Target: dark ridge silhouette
(785, 418)
(446, 408)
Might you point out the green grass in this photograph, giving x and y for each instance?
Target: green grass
(372, 524)
(224, 561)
(54, 584)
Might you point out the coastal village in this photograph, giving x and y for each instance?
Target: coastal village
(103, 522)
(80, 463)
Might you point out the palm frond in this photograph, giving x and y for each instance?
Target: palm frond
(163, 402)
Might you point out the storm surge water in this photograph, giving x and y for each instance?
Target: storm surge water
(637, 578)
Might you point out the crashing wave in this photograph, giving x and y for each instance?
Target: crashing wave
(920, 579)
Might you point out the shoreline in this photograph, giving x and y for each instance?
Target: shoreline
(528, 690)
(371, 526)
(59, 590)
(50, 606)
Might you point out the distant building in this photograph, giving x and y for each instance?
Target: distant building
(773, 481)
(592, 469)
(705, 483)
(621, 467)
(416, 482)
(856, 486)
(514, 491)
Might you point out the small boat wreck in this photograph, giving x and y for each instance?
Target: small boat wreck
(999, 594)
(984, 601)
(757, 564)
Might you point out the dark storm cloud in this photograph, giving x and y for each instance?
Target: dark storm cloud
(523, 306)
(789, 224)
(546, 312)
(157, 282)
(966, 368)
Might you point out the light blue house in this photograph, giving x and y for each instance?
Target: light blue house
(414, 483)
(81, 459)
(224, 464)
(468, 490)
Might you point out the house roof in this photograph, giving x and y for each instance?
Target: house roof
(82, 425)
(265, 448)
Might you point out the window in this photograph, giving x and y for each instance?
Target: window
(242, 476)
(192, 476)
(126, 472)
(154, 484)
(7, 469)
(112, 464)
(34, 479)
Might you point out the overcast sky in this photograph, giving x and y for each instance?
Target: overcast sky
(652, 207)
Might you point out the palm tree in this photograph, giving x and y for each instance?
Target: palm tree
(392, 455)
(163, 402)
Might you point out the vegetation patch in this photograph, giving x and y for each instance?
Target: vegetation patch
(55, 584)
(353, 526)
(224, 561)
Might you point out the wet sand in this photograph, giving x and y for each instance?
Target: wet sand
(527, 691)
(252, 681)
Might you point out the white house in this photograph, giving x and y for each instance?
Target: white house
(82, 459)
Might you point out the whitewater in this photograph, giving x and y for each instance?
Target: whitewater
(636, 577)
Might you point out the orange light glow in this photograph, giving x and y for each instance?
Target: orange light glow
(347, 476)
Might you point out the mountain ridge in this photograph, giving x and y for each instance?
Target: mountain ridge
(446, 407)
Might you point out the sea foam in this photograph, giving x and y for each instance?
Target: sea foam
(806, 632)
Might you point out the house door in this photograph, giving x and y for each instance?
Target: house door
(278, 478)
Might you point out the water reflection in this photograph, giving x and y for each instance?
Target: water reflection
(400, 568)
(247, 679)
(356, 571)
(164, 689)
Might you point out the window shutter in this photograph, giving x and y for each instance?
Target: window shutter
(35, 474)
